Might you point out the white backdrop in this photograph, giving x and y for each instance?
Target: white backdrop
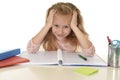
(20, 20)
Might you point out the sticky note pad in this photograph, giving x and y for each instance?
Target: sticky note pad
(86, 70)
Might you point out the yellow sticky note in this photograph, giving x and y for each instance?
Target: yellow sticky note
(86, 70)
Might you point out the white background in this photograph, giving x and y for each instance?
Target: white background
(20, 20)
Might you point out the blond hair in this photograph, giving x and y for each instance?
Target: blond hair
(50, 43)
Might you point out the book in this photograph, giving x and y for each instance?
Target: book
(68, 59)
(4, 54)
(12, 61)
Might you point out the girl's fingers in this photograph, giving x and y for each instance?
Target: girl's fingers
(52, 12)
(50, 17)
(74, 19)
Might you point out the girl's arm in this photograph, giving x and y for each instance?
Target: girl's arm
(35, 42)
(31, 47)
(85, 43)
(89, 52)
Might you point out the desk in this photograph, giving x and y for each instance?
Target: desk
(20, 72)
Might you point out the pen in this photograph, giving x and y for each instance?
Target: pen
(109, 40)
(84, 58)
(59, 56)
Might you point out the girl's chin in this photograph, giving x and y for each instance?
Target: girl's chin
(60, 38)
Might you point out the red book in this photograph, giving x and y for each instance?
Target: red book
(12, 61)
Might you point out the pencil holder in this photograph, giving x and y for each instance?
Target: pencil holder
(114, 56)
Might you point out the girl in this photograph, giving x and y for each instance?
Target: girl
(63, 29)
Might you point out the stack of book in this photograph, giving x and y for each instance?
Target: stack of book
(10, 57)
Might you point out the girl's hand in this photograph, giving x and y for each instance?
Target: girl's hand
(74, 19)
(49, 21)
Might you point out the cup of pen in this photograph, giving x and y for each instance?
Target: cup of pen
(114, 55)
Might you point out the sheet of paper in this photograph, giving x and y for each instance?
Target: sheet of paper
(74, 59)
(41, 58)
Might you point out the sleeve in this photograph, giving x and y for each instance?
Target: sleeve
(89, 52)
(32, 48)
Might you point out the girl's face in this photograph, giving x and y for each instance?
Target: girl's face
(61, 26)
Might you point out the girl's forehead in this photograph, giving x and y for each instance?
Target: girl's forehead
(62, 19)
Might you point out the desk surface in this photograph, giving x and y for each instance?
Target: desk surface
(36, 72)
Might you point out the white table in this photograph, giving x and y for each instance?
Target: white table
(35, 72)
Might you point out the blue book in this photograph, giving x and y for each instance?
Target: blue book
(9, 53)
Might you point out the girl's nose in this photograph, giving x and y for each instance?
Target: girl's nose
(60, 31)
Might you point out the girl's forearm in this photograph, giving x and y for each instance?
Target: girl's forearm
(83, 39)
(38, 39)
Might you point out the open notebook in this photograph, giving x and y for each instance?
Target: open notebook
(69, 59)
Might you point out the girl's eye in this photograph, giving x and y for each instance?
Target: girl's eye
(56, 26)
(65, 26)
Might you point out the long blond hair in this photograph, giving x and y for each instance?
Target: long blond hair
(50, 43)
